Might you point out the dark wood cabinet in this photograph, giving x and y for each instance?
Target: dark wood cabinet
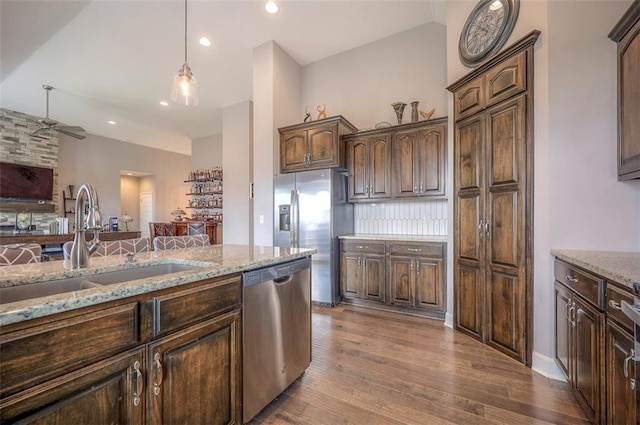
(580, 351)
(401, 276)
(620, 376)
(626, 34)
(171, 356)
(419, 161)
(212, 229)
(362, 270)
(369, 165)
(314, 145)
(194, 375)
(493, 209)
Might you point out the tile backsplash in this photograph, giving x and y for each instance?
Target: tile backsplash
(411, 217)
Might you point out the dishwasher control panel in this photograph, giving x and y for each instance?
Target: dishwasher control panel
(275, 272)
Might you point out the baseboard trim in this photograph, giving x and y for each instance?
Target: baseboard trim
(448, 320)
(546, 366)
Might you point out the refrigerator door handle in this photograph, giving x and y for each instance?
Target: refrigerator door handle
(294, 218)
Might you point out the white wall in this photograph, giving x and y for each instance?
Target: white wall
(206, 152)
(276, 96)
(236, 167)
(130, 201)
(578, 203)
(99, 161)
(362, 83)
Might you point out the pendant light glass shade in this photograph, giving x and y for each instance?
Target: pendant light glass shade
(185, 86)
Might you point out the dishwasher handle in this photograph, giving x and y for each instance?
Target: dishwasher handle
(283, 280)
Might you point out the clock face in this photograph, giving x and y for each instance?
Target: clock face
(487, 29)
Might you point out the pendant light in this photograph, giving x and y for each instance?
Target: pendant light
(185, 86)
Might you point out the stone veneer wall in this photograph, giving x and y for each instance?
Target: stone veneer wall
(410, 217)
(16, 146)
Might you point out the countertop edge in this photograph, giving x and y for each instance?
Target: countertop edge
(399, 238)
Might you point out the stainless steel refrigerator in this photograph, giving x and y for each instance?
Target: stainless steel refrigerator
(311, 211)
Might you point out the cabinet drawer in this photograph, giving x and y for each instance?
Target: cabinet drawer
(177, 310)
(615, 296)
(364, 246)
(417, 249)
(588, 286)
(58, 347)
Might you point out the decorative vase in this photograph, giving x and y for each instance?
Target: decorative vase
(398, 107)
(414, 111)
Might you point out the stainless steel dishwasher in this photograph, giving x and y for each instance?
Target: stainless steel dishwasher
(276, 325)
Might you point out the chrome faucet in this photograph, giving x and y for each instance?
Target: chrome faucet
(81, 250)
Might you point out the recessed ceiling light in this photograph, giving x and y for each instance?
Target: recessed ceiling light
(164, 103)
(271, 7)
(204, 41)
(112, 122)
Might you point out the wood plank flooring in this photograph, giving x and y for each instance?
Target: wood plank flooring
(374, 367)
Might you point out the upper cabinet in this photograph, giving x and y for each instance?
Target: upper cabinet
(627, 34)
(314, 145)
(403, 161)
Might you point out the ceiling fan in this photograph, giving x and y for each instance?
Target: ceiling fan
(47, 124)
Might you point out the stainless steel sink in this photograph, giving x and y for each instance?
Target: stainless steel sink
(119, 276)
(43, 289)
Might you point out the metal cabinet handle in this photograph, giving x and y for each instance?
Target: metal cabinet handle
(480, 224)
(571, 278)
(415, 189)
(139, 384)
(361, 246)
(421, 187)
(573, 315)
(632, 381)
(567, 312)
(486, 227)
(614, 305)
(414, 249)
(158, 368)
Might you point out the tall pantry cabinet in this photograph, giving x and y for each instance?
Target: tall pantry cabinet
(493, 201)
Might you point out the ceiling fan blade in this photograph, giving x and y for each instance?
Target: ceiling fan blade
(68, 133)
(38, 131)
(69, 128)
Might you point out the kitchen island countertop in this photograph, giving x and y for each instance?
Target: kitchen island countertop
(210, 261)
(621, 267)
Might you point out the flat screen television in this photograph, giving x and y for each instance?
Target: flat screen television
(25, 182)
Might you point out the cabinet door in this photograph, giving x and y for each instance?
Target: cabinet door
(469, 228)
(563, 331)
(350, 281)
(323, 146)
(589, 358)
(107, 392)
(621, 395)
(379, 169)
(629, 104)
(431, 161)
(373, 276)
(505, 232)
(293, 151)
(405, 165)
(401, 280)
(195, 374)
(430, 284)
(179, 228)
(357, 165)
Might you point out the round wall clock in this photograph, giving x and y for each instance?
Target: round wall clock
(487, 29)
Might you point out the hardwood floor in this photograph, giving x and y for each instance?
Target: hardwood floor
(375, 367)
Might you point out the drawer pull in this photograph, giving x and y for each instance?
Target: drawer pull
(139, 384)
(614, 305)
(362, 246)
(571, 278)
(158, 366)
(632, 382)
(414, 249)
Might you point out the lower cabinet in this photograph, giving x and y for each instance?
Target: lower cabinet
(408, 276)
(185, 369)
(620, 376)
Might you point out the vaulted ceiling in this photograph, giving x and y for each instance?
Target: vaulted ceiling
(115, 60)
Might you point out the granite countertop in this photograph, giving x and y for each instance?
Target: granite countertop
(387, 237)
(211, 261)
(621, 267)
